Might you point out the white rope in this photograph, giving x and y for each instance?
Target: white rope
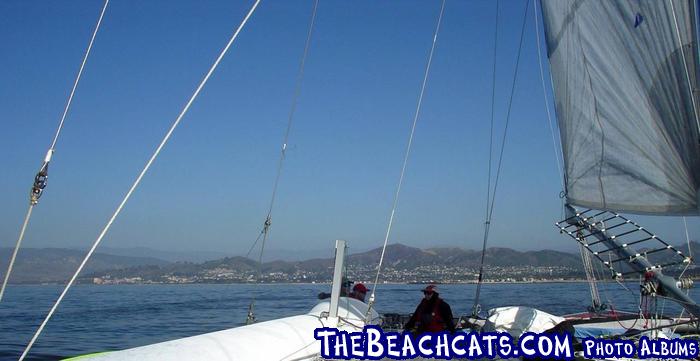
(138, 179)
(687, 237)
(77, 79)
(583, 261)
(685, 66)
(690, 252)
(405, 158)
(50, 152)
(560, 169)
(679, 317)
(634, 295)
(590, 276)
(305, 357)
(303, 348)
(14, 253)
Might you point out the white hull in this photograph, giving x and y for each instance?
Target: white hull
(290, 338)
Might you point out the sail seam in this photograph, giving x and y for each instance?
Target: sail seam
(601, 161)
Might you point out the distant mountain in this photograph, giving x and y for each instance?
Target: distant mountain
(56, 265)
(398, 256)
(51, 265)
(237, 263)
(447, 264)
(405, 257)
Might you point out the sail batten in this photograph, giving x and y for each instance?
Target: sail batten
(624, 88)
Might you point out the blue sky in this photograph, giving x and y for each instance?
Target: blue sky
(211, 185)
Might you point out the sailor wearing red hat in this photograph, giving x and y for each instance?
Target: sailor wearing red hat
(359, 292)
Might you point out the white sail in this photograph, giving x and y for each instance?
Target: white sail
(623, 88)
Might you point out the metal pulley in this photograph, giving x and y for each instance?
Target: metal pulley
(40, 180)
(476, 310)
(250, 319)
(648, 288)
(597, 307)
(685, 283)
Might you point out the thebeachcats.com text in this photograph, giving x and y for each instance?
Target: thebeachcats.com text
(372, 343)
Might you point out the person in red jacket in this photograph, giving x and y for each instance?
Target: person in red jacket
(433, 314)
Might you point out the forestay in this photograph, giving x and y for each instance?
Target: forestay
(623, 89)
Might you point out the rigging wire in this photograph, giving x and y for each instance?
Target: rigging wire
(493, 111)
(265, 232)
(252, 246)
(687, 237)
(690, 253)
(590, 277)
(40, 179)
(475, 309)
(599, 274)
(405, 160)
(639, 305)
(139, 178)
(305, 357)
(560, 169)
(489, 216)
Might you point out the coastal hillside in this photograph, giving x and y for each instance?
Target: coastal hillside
(402, 263)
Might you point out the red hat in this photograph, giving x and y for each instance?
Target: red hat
(430, 288)
(360, 288)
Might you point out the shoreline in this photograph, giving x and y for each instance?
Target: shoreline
(317, 283)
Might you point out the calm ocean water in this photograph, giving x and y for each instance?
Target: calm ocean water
(100, 318)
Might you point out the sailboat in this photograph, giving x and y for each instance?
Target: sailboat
(624, 78)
